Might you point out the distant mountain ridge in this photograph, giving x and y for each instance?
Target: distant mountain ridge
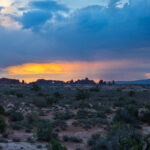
(144, 81)
(85, 81)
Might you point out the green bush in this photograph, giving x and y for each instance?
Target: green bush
(32, 118)
(63, 115)
(39, 102)
(132, 93)
(82, 95)
(2, 110)
(16, 116)
(18, 125)
(35, 87)
(124, 116)
(51, 100)
(146, 117)
(94, 89)
(19, 95)
(43, 130)
(57, 95)
(55, 145)
(120, 137)
(132, 109)
(72, 139)
(2, 124)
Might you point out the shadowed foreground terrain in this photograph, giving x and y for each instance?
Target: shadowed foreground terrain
(87, 117)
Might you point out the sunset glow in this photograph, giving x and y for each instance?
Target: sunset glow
(63, 70)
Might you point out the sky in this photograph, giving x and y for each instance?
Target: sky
(71, 39)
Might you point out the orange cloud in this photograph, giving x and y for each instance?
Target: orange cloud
(32, 69)
(63, 70)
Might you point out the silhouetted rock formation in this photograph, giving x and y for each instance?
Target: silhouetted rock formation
(9, 81)
(85, 81)
(48, 82)
(44, 82)
(101, 82)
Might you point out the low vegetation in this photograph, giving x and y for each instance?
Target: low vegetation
(84, 117)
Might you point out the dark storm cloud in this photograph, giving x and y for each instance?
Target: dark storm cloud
(48, 5)
(41, 11)
(34, 19)
(87, 34)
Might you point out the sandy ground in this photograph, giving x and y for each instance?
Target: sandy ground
(22, 146)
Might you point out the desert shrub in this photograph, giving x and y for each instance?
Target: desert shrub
(65, 138)
(96, 106)
(75, 139)
(78, 148)
(51, 100)
(124, 116)
(16, 140)
(119, 89)
(17, 125)
(82, 114)
(2, 124)
(60, 124)
(32, 118)
(132, 93)
(95, 136)
(31, 140)
(146, 117)
(120, 137)
(63, 115)
(118, 103)
(128, 137)
(40, 94)
(11, 92)
(82, 95)
(104, 108)
(72, 139)
(55, 145)
(132, 109)
(94, 89)
(147, 106)
(90, 122)
(39, 146)
(101, 114)
(19, 95)
(57, 95)
(16, 116)
(131, 102)
(2, 140)
(39, 102)
(5, 134)
(122, 98)
(35, 87)
(43, 130)
(2, 110)
(83, 104)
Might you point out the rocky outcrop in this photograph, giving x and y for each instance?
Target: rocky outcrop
(9, 81)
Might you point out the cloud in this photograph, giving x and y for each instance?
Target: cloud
(48, 5)
(113, 3)
(93, 33)
(34, 19)
(40, 13)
